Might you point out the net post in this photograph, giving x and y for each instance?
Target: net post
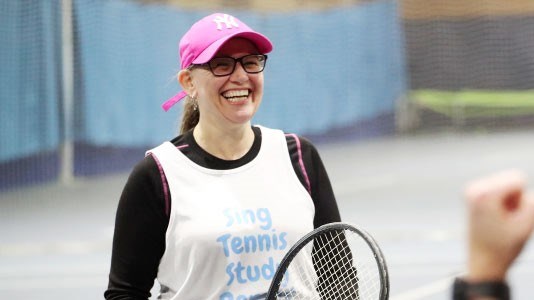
(67, 107)
(406, 115)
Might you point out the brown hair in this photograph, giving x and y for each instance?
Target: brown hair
(190, 115)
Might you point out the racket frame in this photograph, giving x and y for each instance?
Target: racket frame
(335, 226)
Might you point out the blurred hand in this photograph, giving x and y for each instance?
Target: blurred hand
(501, 219)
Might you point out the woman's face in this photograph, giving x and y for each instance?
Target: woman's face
(232, 99)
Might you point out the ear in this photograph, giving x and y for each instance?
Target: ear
(185, 79)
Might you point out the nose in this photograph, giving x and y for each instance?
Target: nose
(239, 74)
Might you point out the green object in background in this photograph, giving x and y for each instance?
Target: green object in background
(476, 103)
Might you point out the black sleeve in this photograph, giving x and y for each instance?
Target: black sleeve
(326, 209)
(139, 238)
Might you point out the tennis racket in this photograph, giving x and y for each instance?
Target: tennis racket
(334, 261)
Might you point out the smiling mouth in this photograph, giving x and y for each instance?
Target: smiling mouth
(236, 96)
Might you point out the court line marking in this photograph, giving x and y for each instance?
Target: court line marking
(55, 283)
(55, 247)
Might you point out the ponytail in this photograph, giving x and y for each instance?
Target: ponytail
(190, 115)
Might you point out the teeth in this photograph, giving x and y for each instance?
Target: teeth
(236, 93)
(236, 99)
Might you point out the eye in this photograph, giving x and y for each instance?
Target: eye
(252, 61)
(221, 63)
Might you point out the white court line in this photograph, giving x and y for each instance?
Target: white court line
(55, 247)
(424, 291)
(25, 284)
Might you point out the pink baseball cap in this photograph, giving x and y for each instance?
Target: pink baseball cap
(206, 36)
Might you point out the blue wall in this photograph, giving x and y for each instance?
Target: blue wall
(329, 70)
(30, 73)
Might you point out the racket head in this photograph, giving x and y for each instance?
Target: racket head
(335, 261)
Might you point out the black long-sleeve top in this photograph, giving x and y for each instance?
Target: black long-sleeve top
(143, 210)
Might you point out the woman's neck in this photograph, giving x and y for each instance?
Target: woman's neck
(224, 143)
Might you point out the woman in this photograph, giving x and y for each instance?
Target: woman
(211, 213)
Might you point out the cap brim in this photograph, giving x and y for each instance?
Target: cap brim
(262, 44)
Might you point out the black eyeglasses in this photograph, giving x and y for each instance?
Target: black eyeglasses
(223, 66)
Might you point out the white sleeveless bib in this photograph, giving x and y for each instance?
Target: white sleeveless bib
(229, 229)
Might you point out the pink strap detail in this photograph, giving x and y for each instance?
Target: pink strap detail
(164, 183)
(165, 187)
(173, 100)
(301, 162)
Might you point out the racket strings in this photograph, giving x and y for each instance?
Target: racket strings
(337, 265)
(348, 272)
(337, 274)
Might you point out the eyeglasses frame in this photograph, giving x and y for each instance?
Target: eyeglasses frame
(236, 60)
